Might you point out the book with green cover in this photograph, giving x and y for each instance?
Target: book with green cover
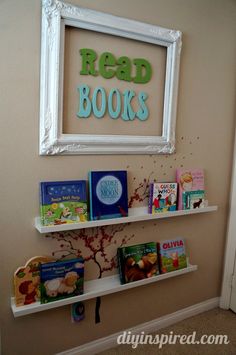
(137, 262)
(193, 199)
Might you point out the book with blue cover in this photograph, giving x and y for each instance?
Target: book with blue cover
(63, 202)
(108, 194)
(61, 279)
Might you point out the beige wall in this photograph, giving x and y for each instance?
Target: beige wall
(156, 55)
(205, 130)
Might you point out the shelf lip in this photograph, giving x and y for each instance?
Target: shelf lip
(96, 288)
(135, 215)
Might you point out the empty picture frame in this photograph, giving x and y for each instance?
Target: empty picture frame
(56, 15)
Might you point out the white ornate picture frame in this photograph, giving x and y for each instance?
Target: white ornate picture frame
(55, 16)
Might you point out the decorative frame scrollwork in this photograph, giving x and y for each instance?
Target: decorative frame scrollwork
(55, 16)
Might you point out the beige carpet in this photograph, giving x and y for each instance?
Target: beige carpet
(214, 322)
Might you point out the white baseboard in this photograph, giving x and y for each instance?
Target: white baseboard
(110, 341)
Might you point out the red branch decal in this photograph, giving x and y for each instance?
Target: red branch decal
(96, 241)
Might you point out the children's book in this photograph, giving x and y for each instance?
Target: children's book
(61, 279)
(137, 262)
(27, 281)
(172, 255)
(108, 194)
(63, 202)
(162, 197)
(189, 180)
(193, 199)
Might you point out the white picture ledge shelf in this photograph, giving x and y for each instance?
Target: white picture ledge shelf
(135, 215)
(96, 288)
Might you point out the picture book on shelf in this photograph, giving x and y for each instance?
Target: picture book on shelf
(172, 255)
(189, 180)
(63, 202)
(162, 197)
(137, 262)
(27, 281)
(108, 194)
(61, 279)
(193, 199)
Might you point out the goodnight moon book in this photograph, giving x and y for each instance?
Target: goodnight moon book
(108, 194)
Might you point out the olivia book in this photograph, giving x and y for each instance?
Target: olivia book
(172, 255)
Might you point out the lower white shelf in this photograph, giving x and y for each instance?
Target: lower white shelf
(96, 288)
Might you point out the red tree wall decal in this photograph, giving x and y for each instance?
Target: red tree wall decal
(95, 241)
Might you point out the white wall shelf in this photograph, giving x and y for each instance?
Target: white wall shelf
(135, 215)
(96, 288)
(111, 284)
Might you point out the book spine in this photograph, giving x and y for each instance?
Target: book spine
(188, 202)
(90, 196)
(150, 200)
(180, 193)
(185, 201)
(159, 257)
(120, 261)
(41, 201)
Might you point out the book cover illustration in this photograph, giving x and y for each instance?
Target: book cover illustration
(27, 281)
(162, 197)
(61, 279)
(189, 180)
(193, 199)
(172, 255)
(108, 194)
(63, 202)
(137, 262)
(77, 312)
